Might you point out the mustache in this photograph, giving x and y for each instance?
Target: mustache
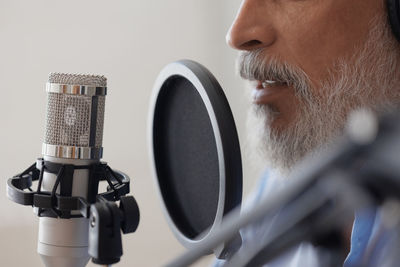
(254, 66)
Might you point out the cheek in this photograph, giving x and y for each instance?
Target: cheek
(315, 38)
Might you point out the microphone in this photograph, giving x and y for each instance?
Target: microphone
(73, 135)
(75, 222)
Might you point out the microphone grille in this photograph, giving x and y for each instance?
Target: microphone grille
(78, 79)
(75, 119)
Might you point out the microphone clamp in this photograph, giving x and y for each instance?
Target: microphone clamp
(104, 214)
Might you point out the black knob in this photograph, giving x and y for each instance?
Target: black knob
(131, 215)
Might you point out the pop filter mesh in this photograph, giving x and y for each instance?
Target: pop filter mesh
(186, 156)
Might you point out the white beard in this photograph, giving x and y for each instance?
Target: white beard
(375, 68)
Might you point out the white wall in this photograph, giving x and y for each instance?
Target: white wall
(129, 42)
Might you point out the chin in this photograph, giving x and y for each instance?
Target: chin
(280, 122)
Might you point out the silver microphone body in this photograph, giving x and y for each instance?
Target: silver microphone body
(74, 133)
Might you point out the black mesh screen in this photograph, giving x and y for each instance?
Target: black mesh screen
(186, 156)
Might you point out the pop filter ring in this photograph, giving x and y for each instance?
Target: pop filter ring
(226, 139)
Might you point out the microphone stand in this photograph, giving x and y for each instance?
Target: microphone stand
(310, 218)
(341, 170)
(305, 176)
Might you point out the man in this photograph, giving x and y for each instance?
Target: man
(310, 63)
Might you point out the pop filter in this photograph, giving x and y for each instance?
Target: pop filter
(195, 151)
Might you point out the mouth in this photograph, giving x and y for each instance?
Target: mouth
(266, 92)
(268, 83)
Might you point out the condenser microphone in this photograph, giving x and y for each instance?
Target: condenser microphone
(73, 135)
(75, 221)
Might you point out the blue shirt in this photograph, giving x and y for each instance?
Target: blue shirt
(373, 242)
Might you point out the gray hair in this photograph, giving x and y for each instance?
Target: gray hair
(368, 79)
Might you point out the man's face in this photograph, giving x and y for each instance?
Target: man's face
(311, 63)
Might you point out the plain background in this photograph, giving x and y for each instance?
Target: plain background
(129, 42)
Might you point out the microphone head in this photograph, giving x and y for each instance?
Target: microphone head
(75, 116)
(78, 79)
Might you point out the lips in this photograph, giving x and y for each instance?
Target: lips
(266, 92)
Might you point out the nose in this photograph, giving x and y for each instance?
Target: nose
(252, 27)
